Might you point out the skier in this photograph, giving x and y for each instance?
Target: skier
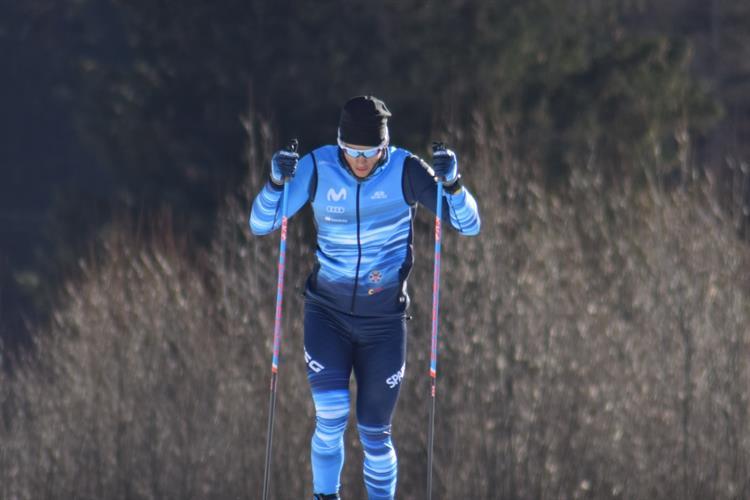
(364, 193)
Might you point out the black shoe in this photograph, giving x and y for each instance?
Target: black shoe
(320, 496)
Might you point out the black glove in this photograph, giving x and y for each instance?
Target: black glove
(444, 163)
(284, 163)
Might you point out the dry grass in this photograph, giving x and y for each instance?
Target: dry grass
(592, 346)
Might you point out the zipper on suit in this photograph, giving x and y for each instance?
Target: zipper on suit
(359, 252)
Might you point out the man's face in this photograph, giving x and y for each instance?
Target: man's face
(360, 165)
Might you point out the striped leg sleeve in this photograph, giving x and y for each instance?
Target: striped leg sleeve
(332, 411)
(380, 464)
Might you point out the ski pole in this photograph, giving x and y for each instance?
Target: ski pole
(436, 147)
(277, 329)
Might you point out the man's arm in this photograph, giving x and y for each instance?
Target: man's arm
(459, 206)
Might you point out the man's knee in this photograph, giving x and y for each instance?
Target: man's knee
(331, 414)
(374, 435)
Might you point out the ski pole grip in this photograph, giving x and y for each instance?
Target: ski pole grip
(292, 146)
(438, 146)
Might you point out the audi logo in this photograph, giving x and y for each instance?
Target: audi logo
(334, 210)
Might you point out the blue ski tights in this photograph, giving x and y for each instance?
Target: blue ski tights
(337, 344)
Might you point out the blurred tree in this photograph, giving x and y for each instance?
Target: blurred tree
(43, 167)
(717, 32)
(566, 74)
(150, 93)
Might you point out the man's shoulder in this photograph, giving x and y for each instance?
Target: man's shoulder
(416, 165)
(325, 152)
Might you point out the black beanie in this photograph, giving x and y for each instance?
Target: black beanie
(364, 121)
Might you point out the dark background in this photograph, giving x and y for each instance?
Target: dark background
(116, 107)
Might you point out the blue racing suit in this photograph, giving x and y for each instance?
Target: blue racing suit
(356, 296)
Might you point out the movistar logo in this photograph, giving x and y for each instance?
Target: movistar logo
(336, 195)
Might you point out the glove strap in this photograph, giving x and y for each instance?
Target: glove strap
(454, 187)
(274, 184)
